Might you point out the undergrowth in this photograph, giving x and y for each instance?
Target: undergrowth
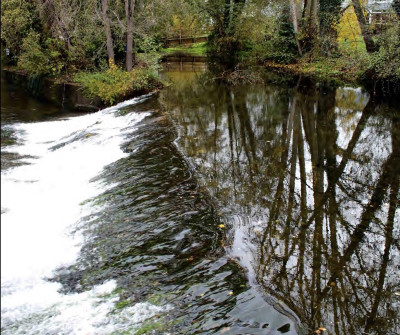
(115, 84)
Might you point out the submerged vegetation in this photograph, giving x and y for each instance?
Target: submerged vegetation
(76, 40)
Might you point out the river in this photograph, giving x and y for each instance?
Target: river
(203, 209)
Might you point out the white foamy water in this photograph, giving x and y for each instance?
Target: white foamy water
(42, 205)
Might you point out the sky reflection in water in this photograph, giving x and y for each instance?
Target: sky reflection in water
(307, 177)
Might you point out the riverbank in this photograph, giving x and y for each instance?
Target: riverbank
(86, 91)
(60, 91)
(333, 70)
(342, 71)
(376, 72)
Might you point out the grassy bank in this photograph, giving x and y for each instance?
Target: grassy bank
(195, 49)
(339, 70)
(103, 87)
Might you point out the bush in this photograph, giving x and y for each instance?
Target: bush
(279, 45)
(385, 63)
(38, 60)
(115, 84)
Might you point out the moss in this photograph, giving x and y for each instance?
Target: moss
(154, 326)
(122, 304)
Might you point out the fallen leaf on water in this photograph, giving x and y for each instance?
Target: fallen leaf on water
(221, 226)
(322, 329)
(317, 331)
(230, 293)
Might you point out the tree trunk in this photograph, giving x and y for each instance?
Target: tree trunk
(294, 14)
(365, 31)
(310, 27)
(329, 17)
(107, 29)
(129, 12)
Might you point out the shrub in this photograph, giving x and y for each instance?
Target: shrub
(385, 63)
(115, 84)
(279, 44)
(38, 60)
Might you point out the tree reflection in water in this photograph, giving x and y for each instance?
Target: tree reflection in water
(308, 181)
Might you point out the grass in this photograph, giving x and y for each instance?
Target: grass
(195, 49)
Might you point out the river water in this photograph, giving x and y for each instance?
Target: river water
(204, 209)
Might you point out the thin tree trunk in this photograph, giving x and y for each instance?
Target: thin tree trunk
(294, 12)
(107, 29)
(365, 31)
(129, 12)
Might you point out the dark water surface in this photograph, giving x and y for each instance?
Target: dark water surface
(307, 179)
(268, 209)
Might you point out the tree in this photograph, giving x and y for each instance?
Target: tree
(107, 30)
(16, 20)
(329, 17)
(365, 30)
(129, 13)
(306, 25)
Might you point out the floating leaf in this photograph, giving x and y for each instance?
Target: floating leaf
(221, 226)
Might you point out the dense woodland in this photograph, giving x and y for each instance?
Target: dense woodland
(118, 44)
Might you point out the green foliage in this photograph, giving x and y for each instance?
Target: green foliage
(279, 44)
(16, 18)
(115, 83)
(41, 60)
(148, 44)
(385, 63)
(329, 17)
